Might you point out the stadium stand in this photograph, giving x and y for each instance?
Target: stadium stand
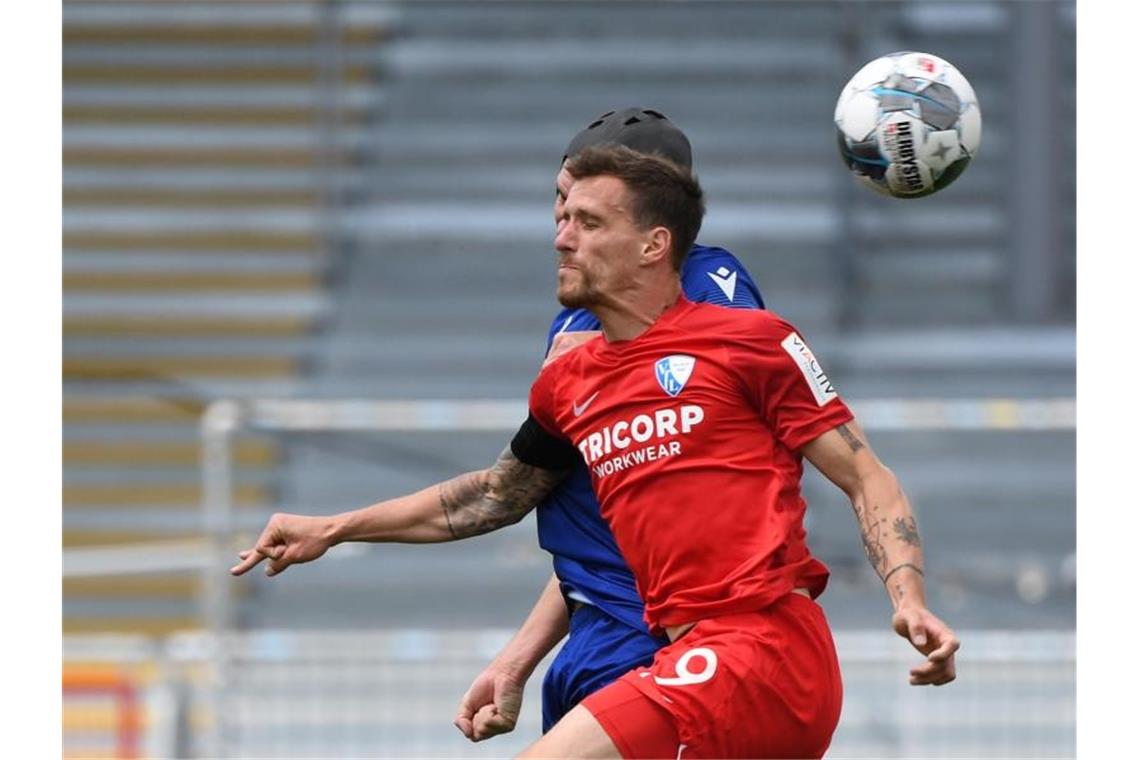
(197, 255)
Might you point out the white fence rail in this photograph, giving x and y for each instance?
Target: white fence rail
(392, 693)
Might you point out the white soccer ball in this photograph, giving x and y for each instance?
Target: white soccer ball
(908, 124)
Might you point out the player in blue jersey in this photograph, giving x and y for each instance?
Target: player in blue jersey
(592, 593)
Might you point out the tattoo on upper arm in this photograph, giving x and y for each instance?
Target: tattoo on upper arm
(456, 494)
(907, 530)
(480, 502)
(852, 439)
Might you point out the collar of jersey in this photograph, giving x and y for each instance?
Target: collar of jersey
(617, 348)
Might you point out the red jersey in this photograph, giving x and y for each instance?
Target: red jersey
(690, 432)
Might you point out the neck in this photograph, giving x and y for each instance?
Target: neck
(628, 315)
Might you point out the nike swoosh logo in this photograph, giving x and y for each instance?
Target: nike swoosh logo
(585, 404)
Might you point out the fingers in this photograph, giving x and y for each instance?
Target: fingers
(939, 668)
(933, 673)
(490, 722)
(280, 563)
(933, 638)
(249, 559)
(464, 715)
(946, 649)
(479, 694)
(465, 726)
(909, 624)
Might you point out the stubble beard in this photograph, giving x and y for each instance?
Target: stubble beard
(574, 299)
(578, 294)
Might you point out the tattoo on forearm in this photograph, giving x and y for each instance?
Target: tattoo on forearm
(852, 439)
(480, 502)
(870, 527)
(894, 570)
(907, 530)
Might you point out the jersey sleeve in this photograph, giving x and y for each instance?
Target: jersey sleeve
(540, 402)
(786, 383)
(539, 441)
(714, 275)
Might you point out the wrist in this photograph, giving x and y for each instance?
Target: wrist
(516, 664)
(335, 530)
(904, 568)
(905, 586)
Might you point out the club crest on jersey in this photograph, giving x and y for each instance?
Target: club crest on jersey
(674, 371)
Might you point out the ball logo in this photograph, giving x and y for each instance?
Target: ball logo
(926, 64)
(674, 371)
(899, 145)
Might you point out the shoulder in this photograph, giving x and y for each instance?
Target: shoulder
(703, 260)
(705, 255)
(739, 326)
(715, 275)
(737, 320)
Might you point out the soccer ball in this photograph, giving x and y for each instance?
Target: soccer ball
(908, 124)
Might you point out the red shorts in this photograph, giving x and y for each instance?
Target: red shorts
(760, 685)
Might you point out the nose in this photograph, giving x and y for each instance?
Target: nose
(564, 237)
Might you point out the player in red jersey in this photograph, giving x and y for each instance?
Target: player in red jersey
(693, 421)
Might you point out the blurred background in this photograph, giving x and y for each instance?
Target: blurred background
(308, 265)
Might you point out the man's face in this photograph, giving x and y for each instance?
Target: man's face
(598, 242)
(562, 184)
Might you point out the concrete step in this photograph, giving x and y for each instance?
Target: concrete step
(241, 16)
(353, 96)
(311, 305)
(615, 21)
(205, 178)
(186, 263)
(159, 347)
(203, 388)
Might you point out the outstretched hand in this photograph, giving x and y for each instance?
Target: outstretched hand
(933, 638)
(491, 705)
(287, 540)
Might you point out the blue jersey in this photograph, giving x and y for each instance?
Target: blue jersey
(570, 525)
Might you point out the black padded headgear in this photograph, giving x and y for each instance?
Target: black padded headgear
(640, 129)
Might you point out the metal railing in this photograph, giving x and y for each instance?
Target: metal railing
(393, 693)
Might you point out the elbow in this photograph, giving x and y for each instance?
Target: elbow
(872, 477)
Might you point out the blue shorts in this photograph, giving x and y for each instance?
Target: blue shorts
(600, 650)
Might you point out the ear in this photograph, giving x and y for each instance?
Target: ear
(658, 246)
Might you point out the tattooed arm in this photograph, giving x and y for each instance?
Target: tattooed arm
(891, 541)
(469, 505)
